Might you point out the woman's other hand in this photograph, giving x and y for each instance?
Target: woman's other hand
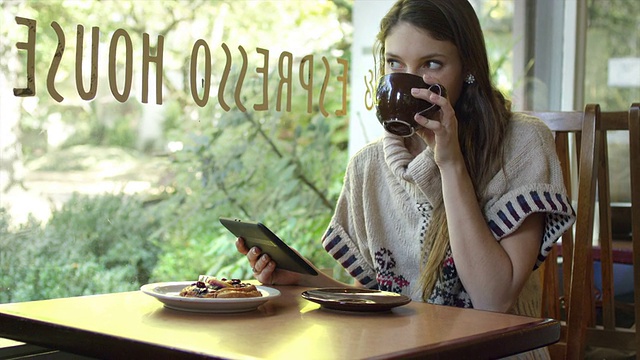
(264, 268)
(266, 271)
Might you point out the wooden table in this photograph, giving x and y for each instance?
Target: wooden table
(135, 325)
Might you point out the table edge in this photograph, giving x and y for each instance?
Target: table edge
(38, 332)
(501, 343)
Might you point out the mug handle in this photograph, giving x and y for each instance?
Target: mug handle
(439, 92)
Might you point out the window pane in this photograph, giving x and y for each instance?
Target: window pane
(613, 76)
(122, 189)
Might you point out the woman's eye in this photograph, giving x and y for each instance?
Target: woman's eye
(432, 65)
(393, 64)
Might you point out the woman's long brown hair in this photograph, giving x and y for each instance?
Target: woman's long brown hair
(482, 111)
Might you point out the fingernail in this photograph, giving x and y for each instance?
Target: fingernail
(421, 119)
(415, 91)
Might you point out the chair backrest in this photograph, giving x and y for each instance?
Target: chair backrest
(606, 333)
(589, 319)
(582, 128)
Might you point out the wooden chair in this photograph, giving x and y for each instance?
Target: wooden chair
(582, 128)
(608, 334)
(578, 312)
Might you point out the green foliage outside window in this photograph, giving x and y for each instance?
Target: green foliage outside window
(90, 246)
(283, 168)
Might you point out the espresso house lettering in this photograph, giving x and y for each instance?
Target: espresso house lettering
(200, 55)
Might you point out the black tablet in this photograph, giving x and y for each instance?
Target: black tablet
(256, 234)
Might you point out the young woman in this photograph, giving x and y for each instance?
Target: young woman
(462, 212)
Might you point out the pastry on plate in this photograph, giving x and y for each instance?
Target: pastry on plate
(212, 287)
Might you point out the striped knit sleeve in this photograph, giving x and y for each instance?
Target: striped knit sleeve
(506, 215)
(341, 238)
(337, 243)
(530, 182)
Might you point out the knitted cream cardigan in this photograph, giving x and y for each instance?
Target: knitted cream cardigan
(384, 210)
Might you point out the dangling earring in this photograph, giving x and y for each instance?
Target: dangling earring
(470, 79)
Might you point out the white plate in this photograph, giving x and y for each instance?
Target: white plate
(169, 294)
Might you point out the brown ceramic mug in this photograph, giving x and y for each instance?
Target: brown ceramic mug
(396, 107)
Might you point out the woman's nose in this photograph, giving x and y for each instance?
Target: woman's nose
(414, 71)
(417, 72)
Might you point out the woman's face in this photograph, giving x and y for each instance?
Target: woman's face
(412, 50)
